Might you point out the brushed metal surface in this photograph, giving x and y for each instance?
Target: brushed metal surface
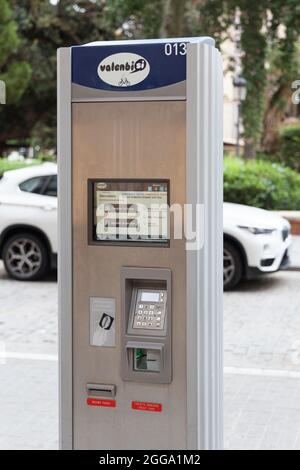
(126, 140)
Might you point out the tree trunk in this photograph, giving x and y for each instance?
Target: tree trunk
(166, 13)
(173, 18)
(273, 118)
(249, 148)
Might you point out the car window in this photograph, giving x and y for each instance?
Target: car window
(34, 185)
(51, 187)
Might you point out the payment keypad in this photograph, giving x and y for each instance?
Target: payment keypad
(150, 315)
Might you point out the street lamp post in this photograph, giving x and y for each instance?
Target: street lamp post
(240, 92)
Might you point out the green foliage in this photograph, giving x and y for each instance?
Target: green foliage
(16, 74)
(289, 146)
(274, 27)
(261, 184)
(32, 31)
(283, 66)
(134, 19)
(253, 42)
(44, 28)
(267, 25)
(16, 79)
(8, 33)
(6, 165)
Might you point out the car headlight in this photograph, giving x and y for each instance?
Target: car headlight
(258, 231)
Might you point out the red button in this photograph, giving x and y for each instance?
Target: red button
(101, 402)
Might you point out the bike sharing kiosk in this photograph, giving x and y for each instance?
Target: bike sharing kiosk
(140, 141)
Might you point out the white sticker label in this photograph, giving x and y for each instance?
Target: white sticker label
(124, 69)
(102, 321)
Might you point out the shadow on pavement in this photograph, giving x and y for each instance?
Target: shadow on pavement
(267, 282)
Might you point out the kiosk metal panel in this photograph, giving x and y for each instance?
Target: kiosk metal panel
(140, 308)
(122, 146)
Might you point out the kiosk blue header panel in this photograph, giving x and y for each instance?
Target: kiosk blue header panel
(141, 70)
(139, 67)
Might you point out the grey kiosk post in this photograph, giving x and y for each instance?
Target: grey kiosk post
(140, 292)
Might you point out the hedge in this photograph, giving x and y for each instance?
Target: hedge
(289, 146)
(261, 184)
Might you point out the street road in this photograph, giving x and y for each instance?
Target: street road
(262, 363)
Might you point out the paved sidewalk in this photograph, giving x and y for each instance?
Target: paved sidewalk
(29, 374)
(261, 412)
(262, 323)
(28, 315)
(28, 404)
(262, 363)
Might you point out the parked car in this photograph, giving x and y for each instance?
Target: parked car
(28, 221)
(255, 241)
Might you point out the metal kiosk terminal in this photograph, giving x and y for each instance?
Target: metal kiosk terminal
(140, 265)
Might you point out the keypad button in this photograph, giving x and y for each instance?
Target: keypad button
(138, 323)
(141, 306)
(152, 307)
(144, 323)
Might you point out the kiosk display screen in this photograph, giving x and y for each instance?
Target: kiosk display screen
(130, 211)
(150, 297)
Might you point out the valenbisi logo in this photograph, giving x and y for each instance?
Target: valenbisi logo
(124, 69)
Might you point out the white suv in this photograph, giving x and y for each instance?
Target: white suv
(28, 221)
(255, 241)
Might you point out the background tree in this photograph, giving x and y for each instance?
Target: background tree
(269, 57)
(135, 19)
(15, 73)
(270, 62)
(44, 28)
(283, 61)
(254, 45)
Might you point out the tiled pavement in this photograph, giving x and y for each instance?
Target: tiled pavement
(262, 364)
(28, 404)
(28, 375)
(261, 412)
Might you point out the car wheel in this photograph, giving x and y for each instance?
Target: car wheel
(25, 257)
(232, 266)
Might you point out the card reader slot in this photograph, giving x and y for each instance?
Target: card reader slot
(153, 352)
(101, 390)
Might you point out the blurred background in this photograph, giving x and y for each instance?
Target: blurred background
(260, 46)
